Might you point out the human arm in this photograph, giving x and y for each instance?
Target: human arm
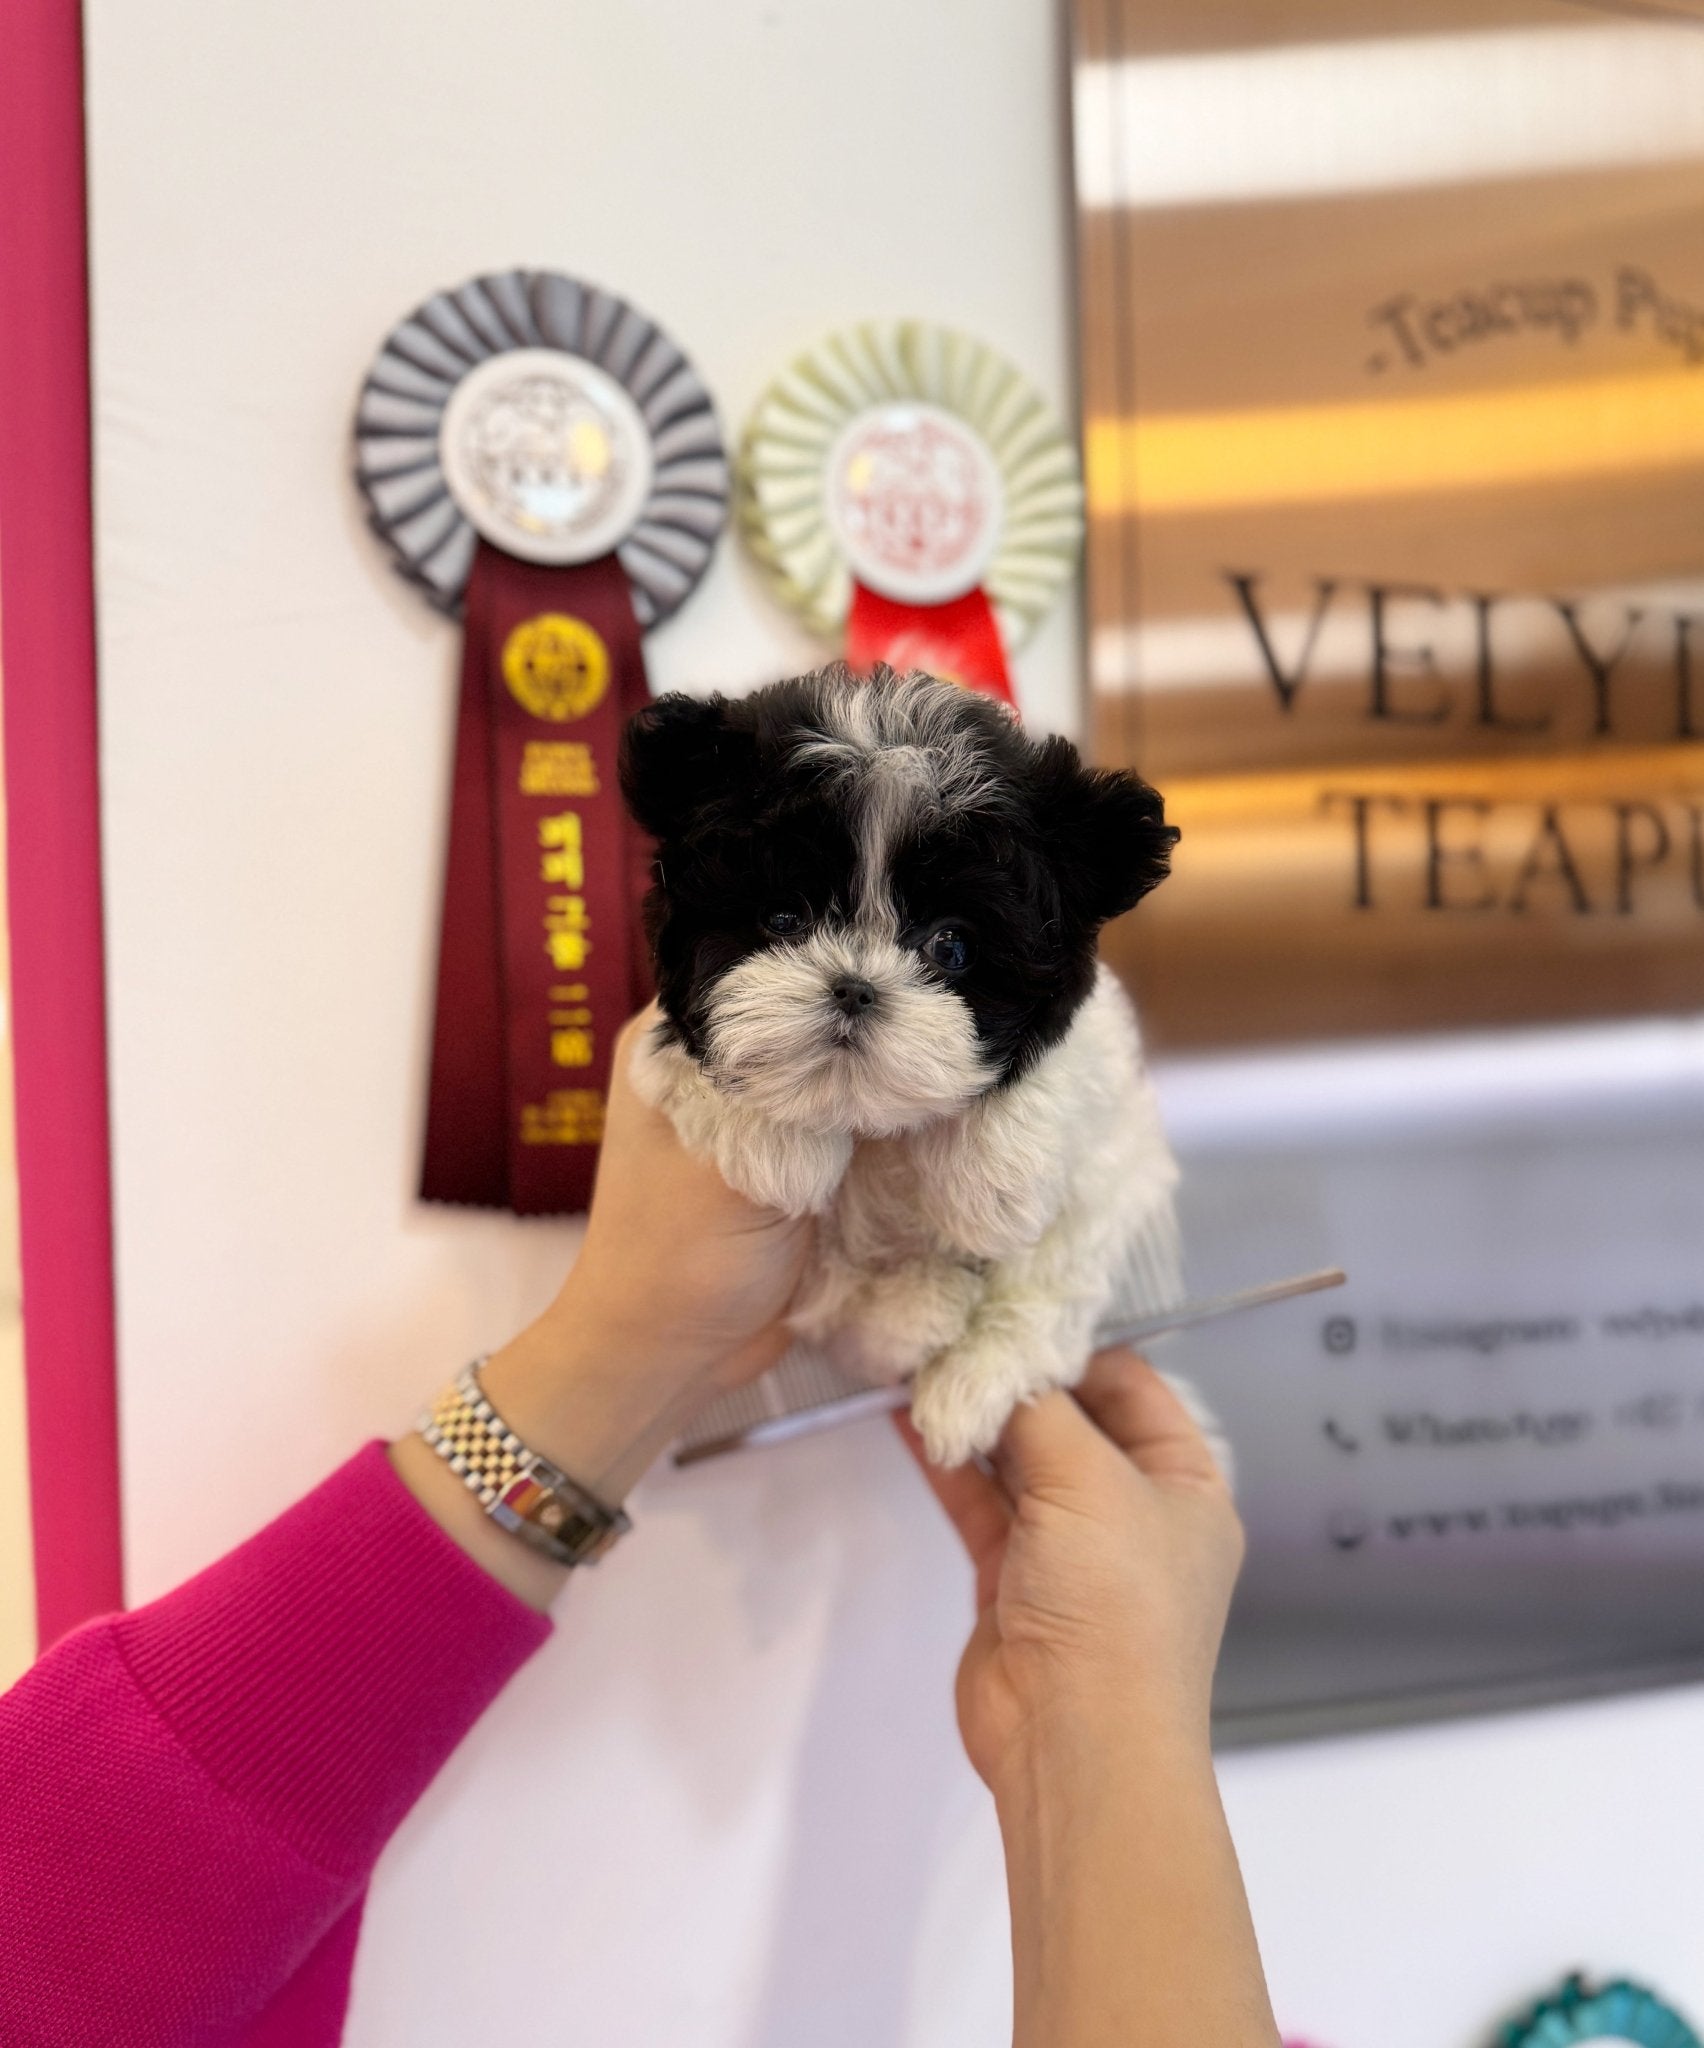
(1105, 1552)
(193, 1795)
(678, 1293)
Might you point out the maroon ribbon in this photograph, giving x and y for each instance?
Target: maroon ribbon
(540, 955)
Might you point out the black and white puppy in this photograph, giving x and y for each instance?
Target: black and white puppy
(874, 925)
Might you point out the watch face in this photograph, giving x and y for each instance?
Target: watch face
(546, 455)
(553, 1513)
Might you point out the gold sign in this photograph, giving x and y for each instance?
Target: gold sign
(1393, 349)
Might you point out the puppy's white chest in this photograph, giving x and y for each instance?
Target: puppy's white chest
(884, 1212)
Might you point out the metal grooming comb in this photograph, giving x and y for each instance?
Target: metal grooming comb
(805, 1393)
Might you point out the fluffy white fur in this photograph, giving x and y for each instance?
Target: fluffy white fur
(780, 1048)
(973, 1239)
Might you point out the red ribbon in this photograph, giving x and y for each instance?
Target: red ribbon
(540, 954)
(958, 641)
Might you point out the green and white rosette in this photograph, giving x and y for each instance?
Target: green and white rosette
(900, 479)
(1618, 2015)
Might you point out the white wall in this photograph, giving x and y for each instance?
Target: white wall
(725, 1806)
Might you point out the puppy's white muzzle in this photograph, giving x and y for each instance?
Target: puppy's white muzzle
(843, 1031)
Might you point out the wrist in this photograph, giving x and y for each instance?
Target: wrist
(1068, 1758)
(570, 1388)
(1128, 1916)
(596, 1395)
(595, 1315)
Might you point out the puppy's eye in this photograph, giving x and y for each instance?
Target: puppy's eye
(785, 924)
(948, 947)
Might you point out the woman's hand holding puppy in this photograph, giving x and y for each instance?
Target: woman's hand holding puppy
(679, 1292)
(1105, 1552)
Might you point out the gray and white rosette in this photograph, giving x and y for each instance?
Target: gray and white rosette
(553, 419)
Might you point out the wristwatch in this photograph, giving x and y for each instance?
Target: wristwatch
(520, 1489)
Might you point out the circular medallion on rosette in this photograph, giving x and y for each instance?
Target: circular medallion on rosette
(910, 491)
(541, 458)
(1619, 2015)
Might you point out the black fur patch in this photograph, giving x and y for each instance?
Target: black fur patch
(747, 826)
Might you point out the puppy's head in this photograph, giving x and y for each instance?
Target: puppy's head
(876, 899)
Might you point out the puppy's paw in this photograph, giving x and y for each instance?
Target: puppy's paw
(893, 1323)
(964, 1398)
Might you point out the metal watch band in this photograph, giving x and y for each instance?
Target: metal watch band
(520, 1489)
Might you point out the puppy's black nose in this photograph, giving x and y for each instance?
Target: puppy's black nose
(853, 996)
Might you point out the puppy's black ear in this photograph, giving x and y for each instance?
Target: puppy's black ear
(1108, 829)
(677, 755)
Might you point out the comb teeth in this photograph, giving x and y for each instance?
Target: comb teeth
(803, 1392)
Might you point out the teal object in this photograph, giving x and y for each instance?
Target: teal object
(1615, 2012)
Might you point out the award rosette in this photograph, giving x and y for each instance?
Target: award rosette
(543, 459)
(907, 489)
(1612, 2016)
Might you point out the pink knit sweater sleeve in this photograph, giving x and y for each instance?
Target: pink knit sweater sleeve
(192, 1796)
